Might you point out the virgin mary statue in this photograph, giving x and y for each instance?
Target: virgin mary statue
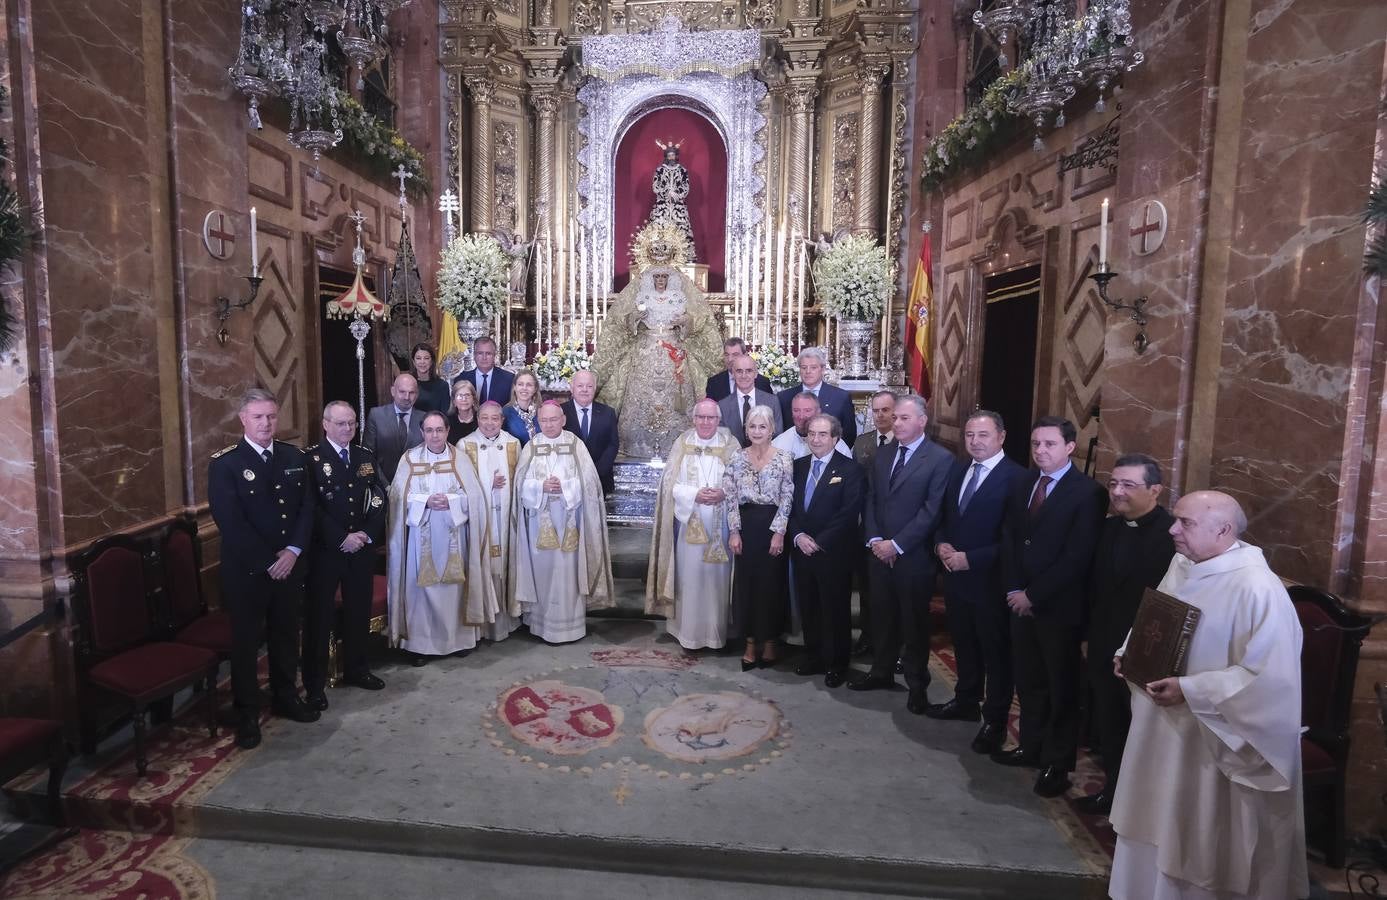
(659, 344)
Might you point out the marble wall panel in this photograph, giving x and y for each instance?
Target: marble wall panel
(1313, 75)
(92, 108)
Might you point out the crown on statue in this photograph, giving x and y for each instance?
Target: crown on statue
(659, 244)
(669, 145)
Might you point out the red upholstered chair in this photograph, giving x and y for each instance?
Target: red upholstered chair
(378, 612)
(25, 743)
(184, 607)
(117, 654)
(1332, 638)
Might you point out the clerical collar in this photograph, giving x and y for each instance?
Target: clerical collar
(441, 454)
(1144, 520)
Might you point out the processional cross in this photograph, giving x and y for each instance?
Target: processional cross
(401, 174)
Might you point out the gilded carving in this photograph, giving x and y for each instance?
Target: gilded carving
(504, 155)
(844, 170)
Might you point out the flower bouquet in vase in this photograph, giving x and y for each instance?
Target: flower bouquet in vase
(852, 279)
(556, 368)
(779, 367)
(473, 285)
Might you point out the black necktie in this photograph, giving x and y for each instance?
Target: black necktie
(584, 424)
(900, 464)
(486, 383)
(265, 455)
(881, 440)
(746, 407)
(404, 429)
(346, 460)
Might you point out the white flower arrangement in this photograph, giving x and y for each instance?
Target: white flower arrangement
(779, 367)
(853, 278)
(473, 277)
(556, 368)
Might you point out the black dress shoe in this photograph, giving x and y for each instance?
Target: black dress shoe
(918, 703)
(1017, 757)
(248, 733)
(863, 647)
(875, 683)
(749, 664)
(989, 738)
(295, 710)
(316, 700)
(900, 666)
(834, 678)
(952, 709)
(809, 667)
(417, 660)
(1099, 804)
(1053, 781)
(364, 680)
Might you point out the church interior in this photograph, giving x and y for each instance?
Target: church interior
(1162, 221)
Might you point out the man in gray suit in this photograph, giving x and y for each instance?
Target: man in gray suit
(904, 507)
(745, 397)
(864, 451)
(395, 427)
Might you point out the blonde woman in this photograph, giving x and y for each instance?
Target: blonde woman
(759, 486)
(522, 411)
(462, 414)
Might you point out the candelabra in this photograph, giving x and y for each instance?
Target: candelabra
(225, 307)
(1137, 307)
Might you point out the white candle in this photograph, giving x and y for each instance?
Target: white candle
(583, 276)
(254, 247)
(1103, 235)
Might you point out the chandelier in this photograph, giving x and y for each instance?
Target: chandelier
(1059, 53)
(284, 52)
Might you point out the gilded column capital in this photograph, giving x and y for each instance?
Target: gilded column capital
(481, 87)
(872, 74)
(802, 96)
(546, 104)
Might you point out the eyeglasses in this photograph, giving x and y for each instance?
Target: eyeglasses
(1126, 485)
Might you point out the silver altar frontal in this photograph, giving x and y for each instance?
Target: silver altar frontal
(808, 99)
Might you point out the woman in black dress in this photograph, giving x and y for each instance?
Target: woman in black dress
(462, 415)
(759, 484)
(433, 391)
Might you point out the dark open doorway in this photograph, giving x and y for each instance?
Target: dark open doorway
(339, 347)
(1008, 354)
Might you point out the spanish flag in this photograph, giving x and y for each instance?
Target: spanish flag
(917, 331)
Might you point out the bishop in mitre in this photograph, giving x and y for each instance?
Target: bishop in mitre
(690, 577)
(495, 453)
(1209, 804)
(560, 564)
(438, 575)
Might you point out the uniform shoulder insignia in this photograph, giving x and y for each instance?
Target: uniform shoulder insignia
(367, 451)
(293, 447)
(223, 451)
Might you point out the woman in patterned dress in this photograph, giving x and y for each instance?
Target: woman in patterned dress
(759, 484)
(522, 412)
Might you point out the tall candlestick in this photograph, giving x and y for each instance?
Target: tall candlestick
(1103, 235)
(583, 275)
(254, 247)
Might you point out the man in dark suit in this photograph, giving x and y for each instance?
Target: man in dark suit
(968, 545)
(1049, 534)
(721, 384)
(595, 424)
(744, 398)
(257, 490)
(1134, 550)
(491, 381)
(394, 428)
(823, 531)
(903, 510)
(833, 401)
(864, 451)
(349, 516)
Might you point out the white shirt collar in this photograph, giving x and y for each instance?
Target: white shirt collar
(259, 450)
(914, 445)
(991, 462)
(402, 412)
(335, 448)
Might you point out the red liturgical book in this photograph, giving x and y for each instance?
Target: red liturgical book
(1160, 638)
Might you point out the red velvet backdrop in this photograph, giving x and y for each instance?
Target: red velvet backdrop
(703, 154)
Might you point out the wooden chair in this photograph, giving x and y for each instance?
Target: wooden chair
(25, 743)
(119, 658)
(1332, 638)
(184, 608)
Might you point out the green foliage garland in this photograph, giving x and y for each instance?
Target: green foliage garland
(379, 145)
(971, 138)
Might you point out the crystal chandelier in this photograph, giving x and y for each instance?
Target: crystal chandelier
(1060, 53)
(284, 52)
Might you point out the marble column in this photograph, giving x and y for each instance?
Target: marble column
(483, 91)
(868, 208)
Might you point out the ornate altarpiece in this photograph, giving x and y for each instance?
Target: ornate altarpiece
(808, 96)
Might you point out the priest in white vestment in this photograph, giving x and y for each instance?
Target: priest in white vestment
(560, 565)
(437, 594)
(494, 453)
(689, 581)
(1209, 805)
(803, 407)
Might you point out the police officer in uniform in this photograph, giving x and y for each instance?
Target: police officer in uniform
(349, 519)
(257, 489)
